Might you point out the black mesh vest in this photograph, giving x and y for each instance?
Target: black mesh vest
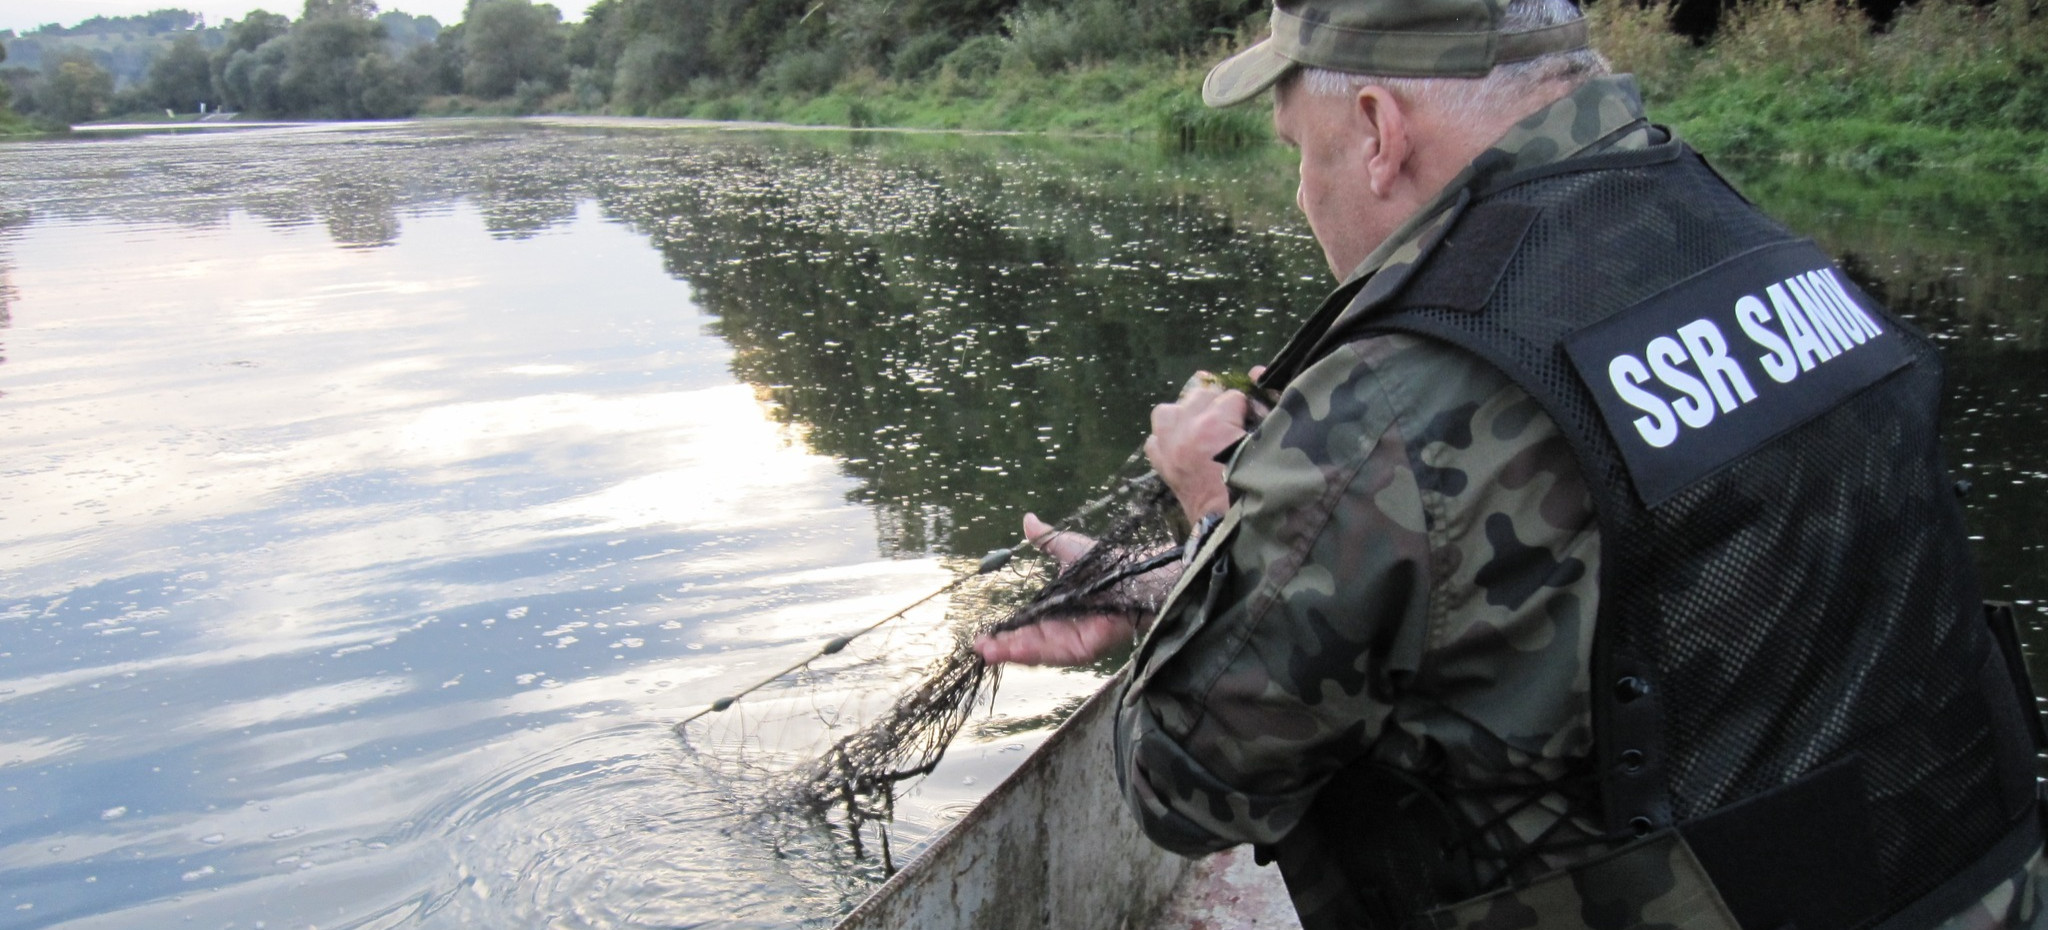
(1791, 661)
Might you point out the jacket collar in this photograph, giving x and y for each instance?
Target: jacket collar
(1604, 114)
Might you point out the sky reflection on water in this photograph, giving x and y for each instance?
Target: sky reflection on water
(348, 585)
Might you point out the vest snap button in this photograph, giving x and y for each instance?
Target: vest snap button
(1630, 688)
(1632, 760)
(1640, 825)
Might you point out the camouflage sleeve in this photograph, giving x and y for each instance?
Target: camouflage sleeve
(1404, 568)
(1271, 665)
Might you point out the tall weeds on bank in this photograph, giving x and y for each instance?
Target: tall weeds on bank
(1948, 82)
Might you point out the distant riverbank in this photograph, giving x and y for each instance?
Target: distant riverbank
(1949, 84)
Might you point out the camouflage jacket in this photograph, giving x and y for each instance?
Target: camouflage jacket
(1407, 574)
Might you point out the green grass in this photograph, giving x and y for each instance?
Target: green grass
(14, 124)
(1950, 84)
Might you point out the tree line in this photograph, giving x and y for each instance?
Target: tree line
(342, 59)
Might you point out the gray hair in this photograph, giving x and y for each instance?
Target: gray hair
(1495, 94)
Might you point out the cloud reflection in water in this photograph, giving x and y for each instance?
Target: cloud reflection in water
(363, 582)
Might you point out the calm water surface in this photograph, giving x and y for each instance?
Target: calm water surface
(375, 497)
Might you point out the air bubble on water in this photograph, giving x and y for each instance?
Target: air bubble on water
(333, 757)
(214, 839)
(113, 813)
(197, 874)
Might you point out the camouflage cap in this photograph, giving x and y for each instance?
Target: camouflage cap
(1389, 38)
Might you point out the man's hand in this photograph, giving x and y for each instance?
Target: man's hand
(1186, 437)
(1078, 641)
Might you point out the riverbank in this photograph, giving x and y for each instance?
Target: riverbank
(1948, 85)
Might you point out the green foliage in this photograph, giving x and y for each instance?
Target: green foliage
(155, 22)
(917, 56)
(976, 57)
(405, 32)
(805, 70)
(384, 89)
(1950, 83)
(1191, 126)
(511, 43)
(339, 9)
(12, 123)
(1045, 36)
(75, 88)
(322, 66)
(181, 79)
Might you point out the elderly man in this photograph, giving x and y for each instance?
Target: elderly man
(1595, 564)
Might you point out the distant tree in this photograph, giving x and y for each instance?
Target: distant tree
(255, 29)
(157, 22)
(510, 42)
(252, 79)
(427, 72)
(441, 70)
(180, 79)
(385, 92)
(75, 88)
(658, 46)
(21, 84)
(404, 31)
(244, 38)
(323, 64)
(339, 9)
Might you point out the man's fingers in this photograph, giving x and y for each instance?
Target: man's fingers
(1063, 545)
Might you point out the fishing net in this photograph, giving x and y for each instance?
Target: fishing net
(825, 749)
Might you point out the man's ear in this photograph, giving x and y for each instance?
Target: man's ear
(1384, 147)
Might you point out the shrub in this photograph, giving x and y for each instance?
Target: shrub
(976, 58)
(805, 70)
(920, 54)
(586, 88)
(1638, 39)
(529, 95)
(1043, 36)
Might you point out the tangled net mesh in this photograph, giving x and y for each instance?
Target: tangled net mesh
(826, 752)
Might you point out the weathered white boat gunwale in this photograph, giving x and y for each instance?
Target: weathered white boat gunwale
(1052, 846)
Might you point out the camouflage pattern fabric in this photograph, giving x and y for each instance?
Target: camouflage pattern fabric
(2019, 901)
(1388, 38)
(1657, 883)
(1408, 573)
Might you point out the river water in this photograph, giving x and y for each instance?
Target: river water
(375, 497)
